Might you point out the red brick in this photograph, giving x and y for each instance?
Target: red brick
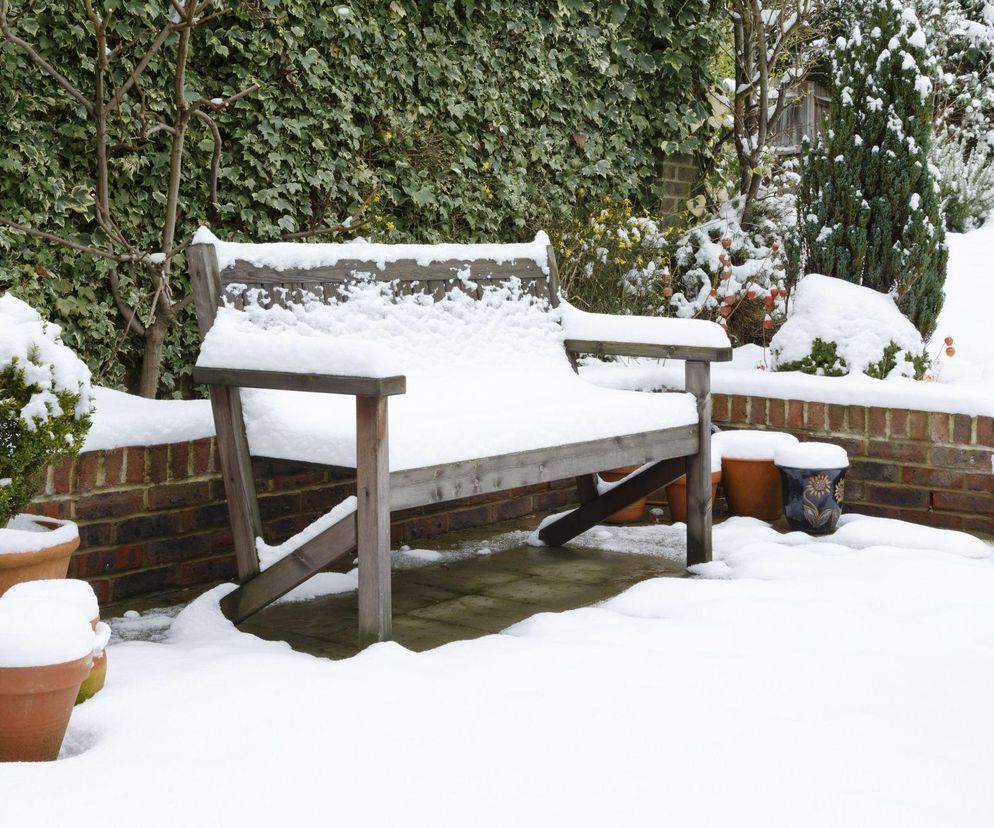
(157, 464)
(940, 430)
(857, 419)
(179, 461)
(145, 527)
(962, 429)
(876, 424)
(135, 465)
(179, 548)
(142, 582)
(102, 589)
(510, 509)
(795, 414)
(899, 426)
(174, 495)
(971, 459)
(778, 413)
(963, 502)
(53, 507)
(108, 561)
(855, 491)
(720, 407)
(201, 456)
(868, 470)
(740, 410)
(470, 518)
(95, 534)
(814, 416)
(207, 571)
(918, 425)
(553, 501)
(894, 450)
(281, 505)
(979, 483)
(61, 477)
(985, 431)
(932, 478)
(901, 496)
(424, 527)
(209, 516)
(757, 411)
(854, 446)
(110, 504)
(114, 467)
(979, 525)
(925, 518)
(836, 417)
(87, 472)
(300, 479)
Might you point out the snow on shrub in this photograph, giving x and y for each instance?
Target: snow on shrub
(735, 276)
(966, 182)
(45, 402)
(835, 328)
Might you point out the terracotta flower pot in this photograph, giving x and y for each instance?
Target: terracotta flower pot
(752, 488)
(94, 682)
(632, 512)
(48, 562)
(676, 496)
(35, 706)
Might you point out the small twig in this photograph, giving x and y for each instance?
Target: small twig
(215, 162)
(351, 223)
(82, 248)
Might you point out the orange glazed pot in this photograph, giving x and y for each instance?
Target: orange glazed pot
(35, 706)
(752, 488)
(632, 512)
(49, 562)
(676, 496)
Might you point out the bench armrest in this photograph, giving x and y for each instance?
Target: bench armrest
(604, 334)
(289, 381)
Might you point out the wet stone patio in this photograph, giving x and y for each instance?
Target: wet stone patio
(463, 585)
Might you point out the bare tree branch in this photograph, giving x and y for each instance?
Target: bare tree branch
(82, 248)
(215, 162)
(129, 313)
(351, 223)
(40, 62)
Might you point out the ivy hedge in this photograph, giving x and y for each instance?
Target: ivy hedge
(470, 119)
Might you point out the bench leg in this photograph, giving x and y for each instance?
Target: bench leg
(586, 487)
(373, 520)
(699, 503)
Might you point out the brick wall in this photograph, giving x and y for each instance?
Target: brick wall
(677, 173)
(155, 518)
(919, 466)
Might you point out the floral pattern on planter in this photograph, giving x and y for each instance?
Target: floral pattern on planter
(812, 498)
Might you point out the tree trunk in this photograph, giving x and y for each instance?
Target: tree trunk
(155, 338)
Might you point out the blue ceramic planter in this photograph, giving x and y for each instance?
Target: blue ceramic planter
(812, 498)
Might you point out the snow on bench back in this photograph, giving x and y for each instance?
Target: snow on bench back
(360, 309)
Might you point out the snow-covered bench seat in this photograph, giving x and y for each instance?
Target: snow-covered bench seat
(303, 345)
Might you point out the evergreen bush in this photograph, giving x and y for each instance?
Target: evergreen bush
(870, 206)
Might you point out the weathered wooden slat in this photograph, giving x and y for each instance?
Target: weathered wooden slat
(320, 551)
(288, 381)
(699, 505)
(586, 486)
(403, 270)
(641, 349)
(553, 283)
(594, 511)
(450, 481)
(226, 404)
(373, 520)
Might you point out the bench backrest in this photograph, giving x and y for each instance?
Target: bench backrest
(283, 273)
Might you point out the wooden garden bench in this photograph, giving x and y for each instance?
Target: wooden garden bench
(299, 342)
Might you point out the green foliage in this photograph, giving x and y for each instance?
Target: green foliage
(966, 182)
(477, 119)
(26, 449)
(919, 363)
(616, 261)
(824, 360)
(871, 208)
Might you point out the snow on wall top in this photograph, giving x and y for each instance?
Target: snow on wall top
(287, 255)
(649, 330)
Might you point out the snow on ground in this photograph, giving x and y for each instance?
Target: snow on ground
(963, 383)
(808, 683)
